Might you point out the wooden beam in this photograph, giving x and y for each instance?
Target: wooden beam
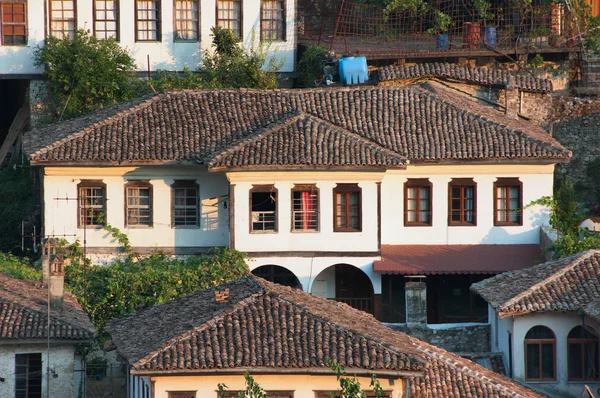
(15, 130)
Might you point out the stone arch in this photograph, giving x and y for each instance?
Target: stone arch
(345, 283)
(278, 274)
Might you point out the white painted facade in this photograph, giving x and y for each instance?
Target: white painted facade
(165, 54)
(62, 362)
(561, 323)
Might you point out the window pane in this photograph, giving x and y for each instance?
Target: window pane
(547, 361)
(305, 210)
(533, 361)
(575, 370)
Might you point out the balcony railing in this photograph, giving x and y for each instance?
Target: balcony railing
(362, 303)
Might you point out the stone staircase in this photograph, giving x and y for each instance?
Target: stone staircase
(590, 77)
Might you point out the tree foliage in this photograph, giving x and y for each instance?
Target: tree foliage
(310, 66)
(18, 202)
(19, 267)
(84, 73)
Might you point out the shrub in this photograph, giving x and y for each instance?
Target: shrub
(18, 202)
(310, 66)
(18, 267)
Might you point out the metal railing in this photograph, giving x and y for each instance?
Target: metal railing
(360, 303)
(263, 220)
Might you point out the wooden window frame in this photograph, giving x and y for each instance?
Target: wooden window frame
(368, 394)
(462, 183)
(195, 22)
(508, 183)
(582, 342)
(269, 393)
(27, 373)
(181, 394)
(158, 23)
(540, 342)
(306, 188)
(418, 183)
(116, 20)
(86, 184)
(63, 20)
(347, 189)
(139, 184)
(281, 36)
(13, 24)
(187, 184)
(241, 19)
(263, 188)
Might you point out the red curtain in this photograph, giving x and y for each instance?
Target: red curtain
(307, 208)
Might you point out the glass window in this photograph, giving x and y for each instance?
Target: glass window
(186, 20)
(273, 20)
(62, 19)
(305, 208)
(229, 15)
(138, 204)
(263, 209)
(540, 348)
(583, 355)
(13, 23)
(508, 202)
(347, 208)
(28, 376)
(417, 202)
(92, 203)
(186, 204)
(462, 201)
(147, 25)
(106, 23)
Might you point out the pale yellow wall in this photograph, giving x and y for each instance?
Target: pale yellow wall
(304, 386)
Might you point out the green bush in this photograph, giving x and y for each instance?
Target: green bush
(310, 66)
(85, 74)
(18, 202)
(19, 267)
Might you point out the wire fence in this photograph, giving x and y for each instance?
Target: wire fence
(347, 27)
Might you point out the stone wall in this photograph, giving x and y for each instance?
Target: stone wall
(454, 338)
(38, 103)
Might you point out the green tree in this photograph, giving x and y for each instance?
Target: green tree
(18, 202)
(85, 74)
(310, 66)
(232, 66)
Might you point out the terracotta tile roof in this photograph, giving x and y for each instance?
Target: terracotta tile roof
(267, 326)
(454, 259)
(421, 123)
(568, 284)
(23, 313)
(482, 76)
(593, 310)
(309, 141)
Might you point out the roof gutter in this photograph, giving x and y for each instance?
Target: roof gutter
(280, 371)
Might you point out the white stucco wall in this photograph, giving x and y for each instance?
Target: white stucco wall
(304, 386)
(61, 362)
(165, 54)
(561, 324)
(60, 215)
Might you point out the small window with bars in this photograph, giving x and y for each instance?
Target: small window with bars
(13, 24)
(106, 19)
(186, 204)
(186, 20)
(92, 203)
(305, 208)
(62, 19)
(28, 375)
(138, 204)
(229, 15)
(263, 208)
(147, 22)
(273, 20)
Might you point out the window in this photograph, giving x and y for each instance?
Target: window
(13, 24)
(28, 376)
(138, 204)
(328, 394)
(508, 202)
(270, 394)
(305, 208)
(181, 394)
(186, 204)
(540, 354)
(186, 20)
(462, 202)
(583, 355)
(229, 15)
(417, 202)
(272, 20)
(106, 19)
(147, 22)
(347, 208)
(62, 19)
(92, 203)
(263, 208)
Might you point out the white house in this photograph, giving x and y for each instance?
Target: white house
(347, 193)
(545, 322)
(37, 348)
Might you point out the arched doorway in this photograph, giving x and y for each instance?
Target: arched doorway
(277, 274)
(347, 284)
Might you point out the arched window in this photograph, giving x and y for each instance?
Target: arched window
(583, 355)
(540, 354)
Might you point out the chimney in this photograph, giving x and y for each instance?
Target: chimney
(222, 296)
(56, 280)
(511, 98)
(48, 250)
(416, 300)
